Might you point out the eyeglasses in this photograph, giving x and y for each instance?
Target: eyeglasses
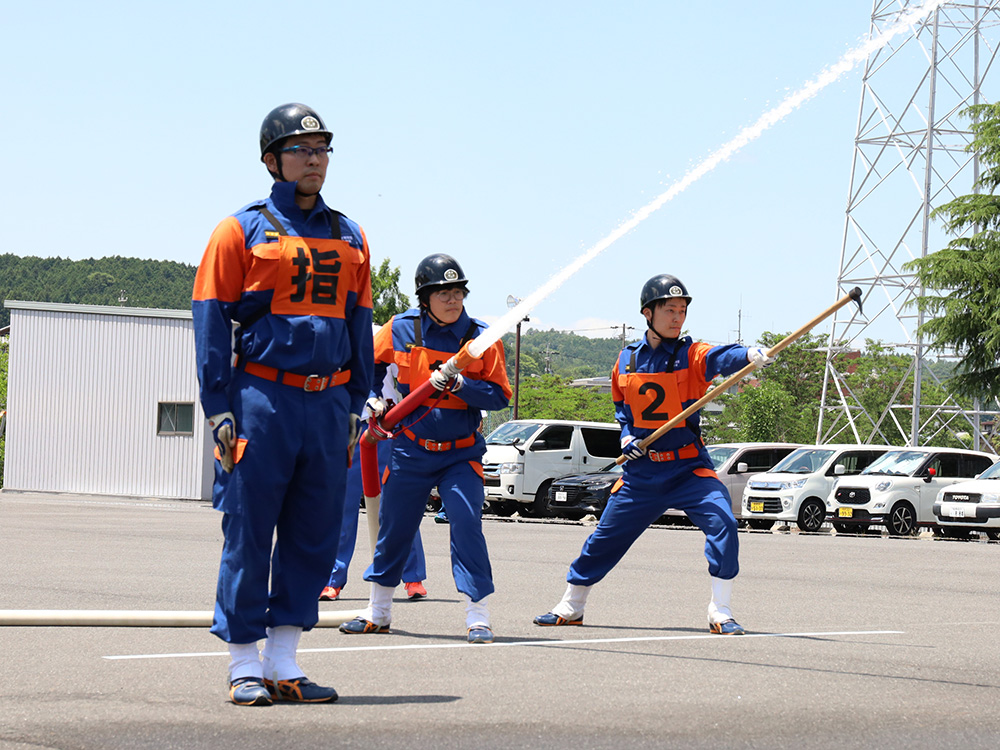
(449, 295)
(305, 152)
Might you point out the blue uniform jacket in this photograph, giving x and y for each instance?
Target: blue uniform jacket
(695, 365)
(459, 415)
(236, 282)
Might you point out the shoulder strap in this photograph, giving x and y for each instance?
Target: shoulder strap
(470, 334)
(279, 227)
(673, 354)
(418, 335)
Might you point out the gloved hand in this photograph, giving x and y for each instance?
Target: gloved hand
(758, 357)
(439, 379)
(353, 434)
(631, 448)
(378, 431)
(223, 428)
(376, 407)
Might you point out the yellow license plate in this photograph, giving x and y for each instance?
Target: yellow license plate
(756, 507)
(845, 512)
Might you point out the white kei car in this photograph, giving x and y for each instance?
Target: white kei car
(898, 490)
(970, 506)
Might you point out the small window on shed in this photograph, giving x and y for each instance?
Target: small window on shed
(175, 419)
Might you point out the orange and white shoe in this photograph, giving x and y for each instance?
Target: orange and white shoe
(415, 590)
(330, 594)
(299, 690)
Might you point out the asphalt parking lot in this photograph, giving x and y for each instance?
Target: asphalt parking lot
(852, 642)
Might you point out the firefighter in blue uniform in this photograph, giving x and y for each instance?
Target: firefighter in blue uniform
(415, 570)
(437, 445)
(653, 380)
(295, 277)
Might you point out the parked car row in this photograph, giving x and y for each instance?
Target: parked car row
(899, 490)
(851, 486)
(797, 488)
(524, 456)
(577, 495)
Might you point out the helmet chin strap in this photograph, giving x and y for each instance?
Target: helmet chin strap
(279, 176)
(434, 317)
(649, 325)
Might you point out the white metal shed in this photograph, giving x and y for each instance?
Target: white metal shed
(104, 401)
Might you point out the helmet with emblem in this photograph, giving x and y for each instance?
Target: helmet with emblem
(662, 287)
(438, 271)
(288, 120)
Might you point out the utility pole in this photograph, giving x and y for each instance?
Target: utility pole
(548, 359)
(625, 327)
(513, 302)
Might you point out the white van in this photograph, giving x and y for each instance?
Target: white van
(797, 488)
(524, 456)
(899, 489)
(735, 463)
(970, 506)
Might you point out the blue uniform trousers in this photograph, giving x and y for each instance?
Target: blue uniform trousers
(646, 494)
(413, 471)
(414, 569)
(290, 479)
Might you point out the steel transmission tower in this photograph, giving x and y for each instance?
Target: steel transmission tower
(909, 158)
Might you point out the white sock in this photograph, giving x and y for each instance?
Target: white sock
(573, 601)
(719, 608)
(477, 614)
(244, 661)
(379, 609)
(279, 653)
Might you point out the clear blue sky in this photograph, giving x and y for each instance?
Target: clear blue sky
(511, 135)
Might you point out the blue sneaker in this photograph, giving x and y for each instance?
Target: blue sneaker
(480, 634)
(441, 517)
(300, 690)
(249, 691)
(359, 625)
(729, 627)
(551, 620)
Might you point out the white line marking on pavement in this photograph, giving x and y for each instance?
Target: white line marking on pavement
(587, 641)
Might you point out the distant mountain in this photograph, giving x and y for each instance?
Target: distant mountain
(101, 281)
(568, 355)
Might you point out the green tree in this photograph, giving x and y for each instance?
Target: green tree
(764, 410)
(798, 371)
(387, 299)
(967, 271)
(780, 402)
(562, 353)
(550, 397)
(146, 283)
(880, 378)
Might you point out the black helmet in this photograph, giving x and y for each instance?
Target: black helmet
(288, 120)
(438, 270)
(660, 287)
